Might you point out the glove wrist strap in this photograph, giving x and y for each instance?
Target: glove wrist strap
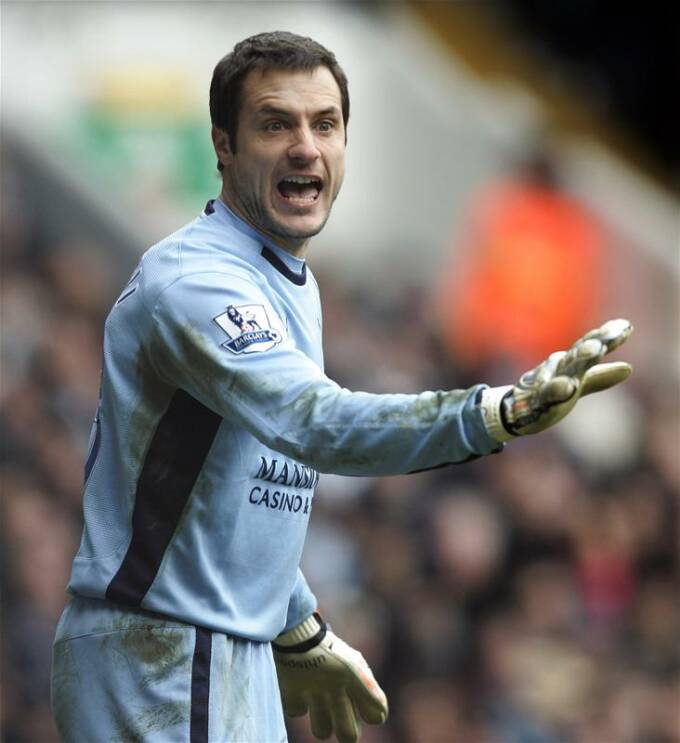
(491, 404)
(303, 637)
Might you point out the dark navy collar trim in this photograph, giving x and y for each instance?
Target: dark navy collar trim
(209, 207)
(297, 278)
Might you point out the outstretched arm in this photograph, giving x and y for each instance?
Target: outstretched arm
(284, 399)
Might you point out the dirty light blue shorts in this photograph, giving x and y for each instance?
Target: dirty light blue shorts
(128, 675)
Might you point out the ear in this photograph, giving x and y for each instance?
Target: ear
(221, 144)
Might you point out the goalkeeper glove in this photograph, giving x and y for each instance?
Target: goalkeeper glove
(547, 393)
(319, 672)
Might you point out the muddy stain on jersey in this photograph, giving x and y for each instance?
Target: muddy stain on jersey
(406, 413)
(154, 396)
(200, 365)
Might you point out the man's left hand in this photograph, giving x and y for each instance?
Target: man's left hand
(544, 395)
(320, 673)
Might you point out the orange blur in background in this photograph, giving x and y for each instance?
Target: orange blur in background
(530, 258)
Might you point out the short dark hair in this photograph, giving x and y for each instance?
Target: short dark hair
(274, 50)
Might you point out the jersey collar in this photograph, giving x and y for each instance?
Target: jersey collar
(293, 268)
(280, 263)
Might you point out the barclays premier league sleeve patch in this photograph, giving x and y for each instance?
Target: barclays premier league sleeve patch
(248, 328)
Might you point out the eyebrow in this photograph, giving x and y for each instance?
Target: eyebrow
(330, 111)
(274, 111)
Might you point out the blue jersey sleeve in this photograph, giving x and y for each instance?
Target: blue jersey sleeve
(302, 602)
(220, 338)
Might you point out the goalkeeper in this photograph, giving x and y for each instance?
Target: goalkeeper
(189, 618)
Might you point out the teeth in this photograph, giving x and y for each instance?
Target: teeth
(300, 179)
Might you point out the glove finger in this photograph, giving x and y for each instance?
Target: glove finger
(543, 372)
(345, 722)
(581, 357)
(319, 715)
(369, 698)
(613, 333)
(546, 371)
(557, 390)
(604, 376)
(294, 705)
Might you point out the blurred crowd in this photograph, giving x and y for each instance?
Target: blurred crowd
(528, 597)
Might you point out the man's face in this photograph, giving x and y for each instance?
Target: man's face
(290, 153)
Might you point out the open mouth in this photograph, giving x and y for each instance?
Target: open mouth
(300, 190)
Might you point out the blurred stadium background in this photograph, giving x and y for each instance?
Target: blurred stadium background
(513, 176)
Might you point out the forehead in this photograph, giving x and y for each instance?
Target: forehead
(295, 90)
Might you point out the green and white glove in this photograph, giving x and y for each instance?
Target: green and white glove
(321, 673)
(544, 395)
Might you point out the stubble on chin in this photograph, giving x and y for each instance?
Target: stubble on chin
(272, 226)
(264, 220)
(281, 230)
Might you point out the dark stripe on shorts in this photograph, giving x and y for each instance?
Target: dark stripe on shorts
(172, 464)
(200, 686)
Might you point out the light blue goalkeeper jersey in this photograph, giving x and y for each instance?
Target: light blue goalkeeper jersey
(214, 421)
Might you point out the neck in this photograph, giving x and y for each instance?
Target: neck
(295, 246)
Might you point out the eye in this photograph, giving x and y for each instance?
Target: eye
(326, 126)
(274, 126)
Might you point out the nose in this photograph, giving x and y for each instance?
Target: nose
(304, 147)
